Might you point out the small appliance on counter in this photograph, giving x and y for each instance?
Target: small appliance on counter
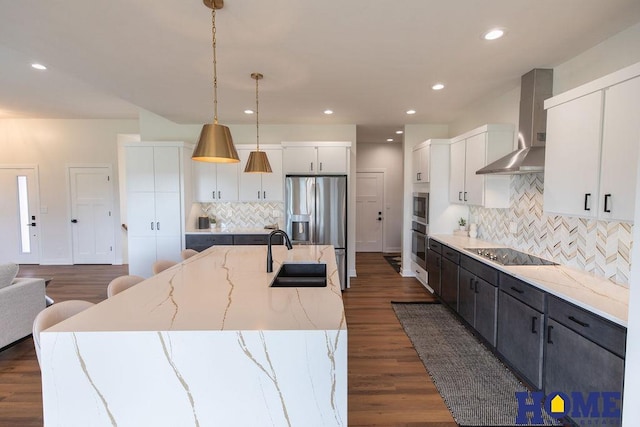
(203, 223)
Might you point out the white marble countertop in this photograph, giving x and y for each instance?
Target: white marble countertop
(224, 288)
(591, 292)
(231, 230)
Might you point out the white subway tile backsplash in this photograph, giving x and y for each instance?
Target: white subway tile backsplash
(599, 247)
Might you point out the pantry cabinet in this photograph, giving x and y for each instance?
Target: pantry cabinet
(472, 151)
(261, 187)
(215, 182)
(154, 183)
(593, 135)
(316, 157)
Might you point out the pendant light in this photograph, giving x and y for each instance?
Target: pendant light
(258, 161)
(215, 143)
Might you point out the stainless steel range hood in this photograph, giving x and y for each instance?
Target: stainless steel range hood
(537, 85)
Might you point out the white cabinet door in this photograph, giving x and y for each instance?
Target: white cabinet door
(204, 182)
(415, 165)
(139, 169)
(620, 141)
(272, 183)
(475, 158)
(141, 214)
(167, 213)
(456, 172)
(420, 164)
(250, 184)
(572, 158)
(299, 160)
(227, 182)
(166, 168)
(332, 160)
(142, 255)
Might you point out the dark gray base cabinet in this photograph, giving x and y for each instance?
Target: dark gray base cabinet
(449, 283)
(477, 304)
(434, 260)
(200, 242)
(520, 337)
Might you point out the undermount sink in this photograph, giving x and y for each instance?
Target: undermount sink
(301, 275)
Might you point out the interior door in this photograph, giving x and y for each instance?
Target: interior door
(19, 216)
(369, 210)
(92, 218)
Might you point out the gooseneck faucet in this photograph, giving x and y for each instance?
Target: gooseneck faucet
(269, 256)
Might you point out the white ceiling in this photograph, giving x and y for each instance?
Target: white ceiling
(368, 60)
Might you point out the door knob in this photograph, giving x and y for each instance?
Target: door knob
(379, 218)
(75, 221)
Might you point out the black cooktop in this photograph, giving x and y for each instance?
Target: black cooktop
(508, 256)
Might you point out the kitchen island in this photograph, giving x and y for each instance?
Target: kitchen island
(206, 342)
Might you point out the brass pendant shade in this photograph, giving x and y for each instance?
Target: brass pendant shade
(215, 143)
(258, 161)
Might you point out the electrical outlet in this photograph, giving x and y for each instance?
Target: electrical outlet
(513, 227)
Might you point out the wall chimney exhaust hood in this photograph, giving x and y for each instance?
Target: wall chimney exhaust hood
(537, 85)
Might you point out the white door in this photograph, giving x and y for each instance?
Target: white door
(369, 212)
(92, 227)
(19, 216)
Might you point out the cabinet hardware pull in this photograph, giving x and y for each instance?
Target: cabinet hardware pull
(152, 225)
(586, 201)
(219, 195)
(583, 324)
(606, 203)
(264, 194)
(158, 225)
(549, 329)
(213, 194)
(460, 195)
(465, 196)
(258, 194)
(311, 166)
(471, 283)
(534, 319)
(476, 287)
(517, 290)
(320, 165)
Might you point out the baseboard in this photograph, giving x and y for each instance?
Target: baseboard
(61, 261)
(393, 250)
(407, 273)
(352, 273)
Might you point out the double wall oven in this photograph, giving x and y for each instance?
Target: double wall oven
(420, 229)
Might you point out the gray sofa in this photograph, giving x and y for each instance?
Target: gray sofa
(20, 302)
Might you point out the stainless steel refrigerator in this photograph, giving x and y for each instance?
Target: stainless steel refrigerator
(316, 214)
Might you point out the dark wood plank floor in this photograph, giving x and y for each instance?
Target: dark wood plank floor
(388, 385)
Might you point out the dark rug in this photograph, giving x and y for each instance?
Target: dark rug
(478, 389)
(394, 261)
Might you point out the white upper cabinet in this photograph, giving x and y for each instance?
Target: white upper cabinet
(215, 182)
(316, 157)
(591, 161)
(262, 186)
(472, 151)
(420, 162)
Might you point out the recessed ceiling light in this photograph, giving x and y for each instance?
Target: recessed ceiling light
(38, 66)
(411, 111)
(248, 111)
(399, 132)
(389, 139)
(437, 86)
(328, 112)
(493, 34)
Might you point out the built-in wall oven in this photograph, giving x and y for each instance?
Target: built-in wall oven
(421, 208)
(419, 243)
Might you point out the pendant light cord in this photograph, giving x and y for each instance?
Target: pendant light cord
(215, 71)
(257, 118)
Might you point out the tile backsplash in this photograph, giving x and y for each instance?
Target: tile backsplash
(245, 214)
(599, 247)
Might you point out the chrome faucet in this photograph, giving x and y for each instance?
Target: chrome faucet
(269, 256)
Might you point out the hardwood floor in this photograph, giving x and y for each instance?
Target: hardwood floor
(388, 385)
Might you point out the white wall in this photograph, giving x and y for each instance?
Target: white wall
(53, 145)
(387, 157)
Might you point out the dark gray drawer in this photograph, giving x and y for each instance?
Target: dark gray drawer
(451, 254)
(435, 246)
(593, 327)
(522, 291)
(480, 269)
(255, 239)
(201, 242)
